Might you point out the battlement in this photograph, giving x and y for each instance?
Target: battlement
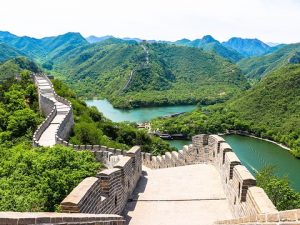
(106, 194)
(288, 217)
(57, 110)
(109, 191)
(239, 184)
(23, 218)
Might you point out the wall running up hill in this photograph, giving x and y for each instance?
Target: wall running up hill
(107, 193)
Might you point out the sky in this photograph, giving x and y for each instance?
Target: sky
(269, 20)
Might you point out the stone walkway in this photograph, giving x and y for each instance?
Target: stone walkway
(48, 136)
(188, 195)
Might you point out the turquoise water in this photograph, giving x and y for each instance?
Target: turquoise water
(256, 154)
(179, 143)
(136, 115)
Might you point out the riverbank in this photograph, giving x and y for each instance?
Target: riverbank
(139, 115)
(243, 133)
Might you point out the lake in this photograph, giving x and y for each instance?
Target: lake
(256, 154)
(136, 115)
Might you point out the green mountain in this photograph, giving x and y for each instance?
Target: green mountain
(12, 67)
(45, 48)
(8, 52)
(209, 44)
(270, 109)
(248, 47)
(132, 74)
(257, 67)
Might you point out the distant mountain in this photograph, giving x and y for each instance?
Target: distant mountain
(8, 52)
(132, 39)
(248, 47)
(94, 39)
(257, 67)
(130, 74)
(61, 44)
(6, 36)
(272, 44)
(45, 48)
(209, 44)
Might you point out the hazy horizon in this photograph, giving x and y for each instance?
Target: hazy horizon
(268, 20)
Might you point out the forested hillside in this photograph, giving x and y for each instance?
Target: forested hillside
(42, 49)
(248, 47)
(257, 67)
(209, 44)
(33, 179)
(13, 67)
(91, 127)
(270, 109)
(131, 74)
(7, 52)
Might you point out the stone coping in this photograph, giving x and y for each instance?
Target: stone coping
(243, 172)
(23, 218)
(79, 191)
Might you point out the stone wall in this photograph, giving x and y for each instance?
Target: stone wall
(288, 217)
(244, 197)
(50, 103)
(109, 191)
(24, 218)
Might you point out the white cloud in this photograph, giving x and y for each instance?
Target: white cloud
(269, 20)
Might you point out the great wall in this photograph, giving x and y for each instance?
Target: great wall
(204, 183)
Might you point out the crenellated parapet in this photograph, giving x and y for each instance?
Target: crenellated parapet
(57, 110)
(244, 197)
(287, 217)
(109, 191)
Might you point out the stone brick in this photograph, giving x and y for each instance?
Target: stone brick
(273, 217)
(289, 215)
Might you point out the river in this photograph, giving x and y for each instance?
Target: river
(254, 153)
(136, 115)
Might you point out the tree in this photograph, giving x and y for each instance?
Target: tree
(278, 189)
(21, 121)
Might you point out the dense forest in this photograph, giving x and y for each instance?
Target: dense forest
(134, 75)
(91, 127)
(33, 179)
(242, 84)
(278, 112)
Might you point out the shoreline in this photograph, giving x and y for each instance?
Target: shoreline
(260, 138)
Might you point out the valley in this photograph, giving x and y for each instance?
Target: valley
(211, 86)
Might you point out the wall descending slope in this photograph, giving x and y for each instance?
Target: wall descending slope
(58, 113)
(97, 199)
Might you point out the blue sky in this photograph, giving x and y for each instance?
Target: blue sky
(268, 20)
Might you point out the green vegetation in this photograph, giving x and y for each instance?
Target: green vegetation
(33, 179)
(42, 49)
(248, 47)
(8, 52)
(209, 44)
(38, 179)
(270, 110)
(257, 67)
(174, 75)
(12, 67)
(91, 127)
(278, 189)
